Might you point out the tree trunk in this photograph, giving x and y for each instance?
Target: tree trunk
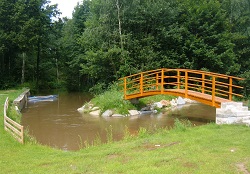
(119, 22)
(38, 62)
(57, 74)
(23, 68)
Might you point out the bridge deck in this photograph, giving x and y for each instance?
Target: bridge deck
(194, 95)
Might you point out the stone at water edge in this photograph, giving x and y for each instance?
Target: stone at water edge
(165, 102)
(158, 105)
(107, 113)
(95, 108)
(133, 112)
(180, 101)
(118, 115)
(95, 113)
(173, 102)
(81, 109)
(85, 108)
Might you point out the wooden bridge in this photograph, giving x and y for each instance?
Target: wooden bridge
(206, 87)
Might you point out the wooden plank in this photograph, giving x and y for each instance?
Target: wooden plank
(13, 122)
(17, 131)
(19, 139)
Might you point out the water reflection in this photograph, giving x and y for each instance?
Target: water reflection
(58, 124)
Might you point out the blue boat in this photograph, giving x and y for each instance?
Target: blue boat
(42, 98)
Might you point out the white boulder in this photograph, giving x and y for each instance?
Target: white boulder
(107, 113)
(180, 101)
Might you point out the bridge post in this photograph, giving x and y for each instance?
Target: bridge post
(213, 91)
(141, 84)
(162, 81)
(186, 83)
(157, 83)
(203, 83)
(125, 86)
(178, 79)
(230, 88)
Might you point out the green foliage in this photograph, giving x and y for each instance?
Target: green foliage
(106, 40)
(112, 99)
(143, 132)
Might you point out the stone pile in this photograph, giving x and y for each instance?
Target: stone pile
(149, 109)
(232, 113)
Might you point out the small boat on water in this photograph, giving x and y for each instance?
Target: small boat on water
(42, 98)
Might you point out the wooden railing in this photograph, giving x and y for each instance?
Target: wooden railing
(207, 87)
(11, 126)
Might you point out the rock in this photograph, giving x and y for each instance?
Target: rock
(95, 108)
(148, 112)
(81, 109)
(107, 113)
(165, 102)
(95, 113)
(187, 100)
(133, 112)
(85, 108)
(147, 108)
(118, 115)
(173, 102)
(180, 101)
(232, 113)
(158, 105)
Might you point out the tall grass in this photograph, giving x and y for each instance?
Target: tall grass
(112, 99)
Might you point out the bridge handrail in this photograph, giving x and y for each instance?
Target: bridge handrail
(211, 83)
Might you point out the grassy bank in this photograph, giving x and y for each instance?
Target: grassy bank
(204, 149)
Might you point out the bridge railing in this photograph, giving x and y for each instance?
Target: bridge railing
(160, 80)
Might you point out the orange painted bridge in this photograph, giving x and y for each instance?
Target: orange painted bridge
(206, 87)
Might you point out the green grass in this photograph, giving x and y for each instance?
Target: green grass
(184, 149)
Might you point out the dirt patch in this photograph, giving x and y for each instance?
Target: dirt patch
(242, 168)
(190, 165)
(113, 156)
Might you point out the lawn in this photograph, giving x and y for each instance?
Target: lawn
(201, 149)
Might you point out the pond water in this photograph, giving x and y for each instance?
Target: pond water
(58, 123)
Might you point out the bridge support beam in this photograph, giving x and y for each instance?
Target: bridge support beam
(232, 113)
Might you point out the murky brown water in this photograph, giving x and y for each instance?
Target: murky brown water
(59, 124)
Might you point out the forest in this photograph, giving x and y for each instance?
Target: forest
(108, 39)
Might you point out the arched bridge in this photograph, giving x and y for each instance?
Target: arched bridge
(206, 87)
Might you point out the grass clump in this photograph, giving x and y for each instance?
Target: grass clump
(112, 99)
